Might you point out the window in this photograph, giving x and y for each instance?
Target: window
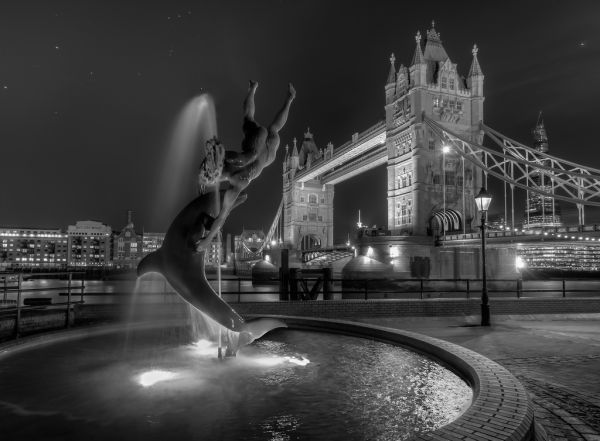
(322, 200)
(459, 181)
(320, 218)
(444, 83)
(432, 144)
(301, 198)
(459, 105)
(451, 83)
(312, 217)
(304, 217)
(403, 213)
(436, 101)
(312, 198)
(436, 179)
(449, 178)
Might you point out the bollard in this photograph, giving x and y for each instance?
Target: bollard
(82, 288)
(468, 289)
(564, 288)
(519, 288)
(366, 290)
(293, 284)
(421, 288)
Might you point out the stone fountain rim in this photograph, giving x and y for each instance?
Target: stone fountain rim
(500, 408)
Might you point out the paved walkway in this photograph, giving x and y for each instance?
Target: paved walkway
(557, 358)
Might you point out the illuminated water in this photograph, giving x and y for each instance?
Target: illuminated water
(290, 385)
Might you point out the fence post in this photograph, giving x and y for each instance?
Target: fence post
(468, 289)
(564, 289)
(366, 289)
(519, 288)
(421, 283)
(18, 318)
(327, 284)
(82, 287)
(68, 300)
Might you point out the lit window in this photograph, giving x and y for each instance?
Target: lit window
(444, 83)
(451, 83)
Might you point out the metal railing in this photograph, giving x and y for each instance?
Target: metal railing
(12, 283)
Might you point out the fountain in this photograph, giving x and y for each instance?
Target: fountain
(316, 380)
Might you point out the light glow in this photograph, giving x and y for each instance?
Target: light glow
(520, 263)
(150, 378)
(370, 252)
(445, 148)
(274, 361)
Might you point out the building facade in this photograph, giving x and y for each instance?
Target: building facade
(39, 248)
(127, 246)
(151, 242)
(89, 245)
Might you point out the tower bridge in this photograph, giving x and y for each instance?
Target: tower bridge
(432, 142)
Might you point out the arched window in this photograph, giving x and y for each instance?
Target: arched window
(444, 83)
(312, 198)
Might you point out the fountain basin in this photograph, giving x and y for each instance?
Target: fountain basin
(351, 388)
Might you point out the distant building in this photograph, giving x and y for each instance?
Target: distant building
(541, 211)
(127, 246)
(151, 242)
(33, 248)
(89, 244)
(215, 253)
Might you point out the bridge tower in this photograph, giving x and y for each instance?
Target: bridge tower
(307, 206)
(418, 164)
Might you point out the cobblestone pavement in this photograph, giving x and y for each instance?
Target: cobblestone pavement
(557, 358)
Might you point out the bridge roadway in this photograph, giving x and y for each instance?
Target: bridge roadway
(576, 235)
(365, 151)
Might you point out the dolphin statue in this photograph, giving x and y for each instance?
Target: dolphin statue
(179, 261)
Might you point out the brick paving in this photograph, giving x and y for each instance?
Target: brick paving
(556, 358)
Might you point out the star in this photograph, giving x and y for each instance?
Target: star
(582, 43)
(5, 87)
(57, 47)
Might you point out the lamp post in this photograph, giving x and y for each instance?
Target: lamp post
(483, 200)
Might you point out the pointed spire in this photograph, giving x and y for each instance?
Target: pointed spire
(295, 150)
(432, 34)
(475, 68)
(392, 74)
(418, 57)
(540, 120)
(540, 137)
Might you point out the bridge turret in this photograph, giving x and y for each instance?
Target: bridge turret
(402, 80)
(418, 68)
(294, 162)
(390, 85)
(475, 78)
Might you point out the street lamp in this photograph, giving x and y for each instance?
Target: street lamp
(483, 200)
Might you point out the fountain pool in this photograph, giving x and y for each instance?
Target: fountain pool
(159, 383)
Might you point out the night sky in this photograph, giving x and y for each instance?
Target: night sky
(89, 92)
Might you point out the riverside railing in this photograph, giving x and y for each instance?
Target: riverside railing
(12, 284)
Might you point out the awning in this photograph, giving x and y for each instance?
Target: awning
(450, 219)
